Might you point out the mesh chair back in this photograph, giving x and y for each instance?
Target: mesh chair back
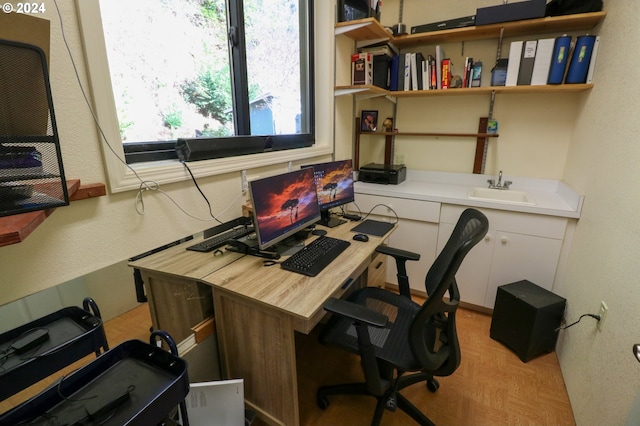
(433, 336)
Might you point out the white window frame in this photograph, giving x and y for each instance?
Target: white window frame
(121, 178)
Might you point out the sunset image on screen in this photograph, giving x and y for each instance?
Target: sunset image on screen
(334, 184)
(283, 201)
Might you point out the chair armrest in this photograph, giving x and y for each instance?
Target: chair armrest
(356, 312)
(401, 257)
(397, 253)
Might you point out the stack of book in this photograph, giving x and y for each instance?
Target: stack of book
(419, 72)
(384, 66)
(372, 65)
(552, 61)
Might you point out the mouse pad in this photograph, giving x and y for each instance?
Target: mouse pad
(373, 227)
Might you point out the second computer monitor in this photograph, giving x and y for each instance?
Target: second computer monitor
(334, 185)
(283, 205)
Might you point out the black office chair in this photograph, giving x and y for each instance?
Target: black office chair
(394, 335)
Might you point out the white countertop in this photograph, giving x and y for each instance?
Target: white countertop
(552, 197)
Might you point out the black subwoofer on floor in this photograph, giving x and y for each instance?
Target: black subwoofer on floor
(525, 318)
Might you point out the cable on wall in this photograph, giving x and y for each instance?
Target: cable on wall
(597, 317)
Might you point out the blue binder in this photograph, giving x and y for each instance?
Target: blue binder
(580, 60)
(559, 59)
(393, 75)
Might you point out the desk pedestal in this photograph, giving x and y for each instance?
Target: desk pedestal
(259, 346)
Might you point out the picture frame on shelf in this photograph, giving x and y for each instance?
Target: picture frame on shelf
(369, 121)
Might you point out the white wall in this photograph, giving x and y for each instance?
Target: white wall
(602, 376)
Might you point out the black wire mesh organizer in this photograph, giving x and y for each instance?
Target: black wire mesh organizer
(31, 172)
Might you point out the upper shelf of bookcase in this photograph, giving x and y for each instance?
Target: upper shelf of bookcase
(372, 91)
(363, 30)
(371, 29)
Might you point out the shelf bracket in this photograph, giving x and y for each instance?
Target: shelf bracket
(350, 27)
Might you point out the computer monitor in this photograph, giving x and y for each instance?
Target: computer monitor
(334, 185)
(283, 205)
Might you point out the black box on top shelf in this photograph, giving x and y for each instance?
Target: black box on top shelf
(467, 21)
(530, 9)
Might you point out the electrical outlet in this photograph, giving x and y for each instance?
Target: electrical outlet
(290, 166)
(603, 315)
(245, 182)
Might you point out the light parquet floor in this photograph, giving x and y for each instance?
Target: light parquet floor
(491, 387)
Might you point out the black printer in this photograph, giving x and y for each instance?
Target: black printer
(382, 173)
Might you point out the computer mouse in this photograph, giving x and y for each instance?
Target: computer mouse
(361, 237)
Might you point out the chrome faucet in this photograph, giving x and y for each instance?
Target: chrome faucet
(499, 185)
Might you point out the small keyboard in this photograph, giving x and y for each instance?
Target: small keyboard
(314, 257)
(221, 239)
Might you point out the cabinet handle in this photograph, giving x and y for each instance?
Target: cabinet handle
(487, 237)
(504, 240)
(378, 265)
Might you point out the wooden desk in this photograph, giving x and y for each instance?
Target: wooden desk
(178, 299)
(258, 310)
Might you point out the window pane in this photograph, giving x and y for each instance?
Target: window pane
(169, 65)
(272, 33)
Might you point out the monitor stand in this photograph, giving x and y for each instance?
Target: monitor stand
(329, 221)
(288, 246)
(248, 246)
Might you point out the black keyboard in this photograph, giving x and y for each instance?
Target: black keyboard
(314, 257)
(221, 239)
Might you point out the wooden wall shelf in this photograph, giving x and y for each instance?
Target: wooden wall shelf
(432, 134)
(467, 91)
(15, 228)
(370, 29)
(388, 140)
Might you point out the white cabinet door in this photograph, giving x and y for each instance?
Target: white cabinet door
(418, 237)
(473, 275)
(518, 246)
(522, 257)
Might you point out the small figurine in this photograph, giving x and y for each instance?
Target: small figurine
(456, 82)
(387, 125)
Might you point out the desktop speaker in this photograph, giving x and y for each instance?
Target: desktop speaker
(525, 319)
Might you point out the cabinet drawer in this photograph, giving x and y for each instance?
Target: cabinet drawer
(377, 271)
(523, 223)
(425, 211)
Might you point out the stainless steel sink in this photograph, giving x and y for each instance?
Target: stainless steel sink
(508, 196)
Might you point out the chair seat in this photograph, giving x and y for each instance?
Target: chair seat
(391, 343)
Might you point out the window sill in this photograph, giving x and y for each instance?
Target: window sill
(169, 171)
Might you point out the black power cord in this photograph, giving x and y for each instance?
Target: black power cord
(597, 317)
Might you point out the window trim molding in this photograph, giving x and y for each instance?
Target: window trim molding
(121, 178)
